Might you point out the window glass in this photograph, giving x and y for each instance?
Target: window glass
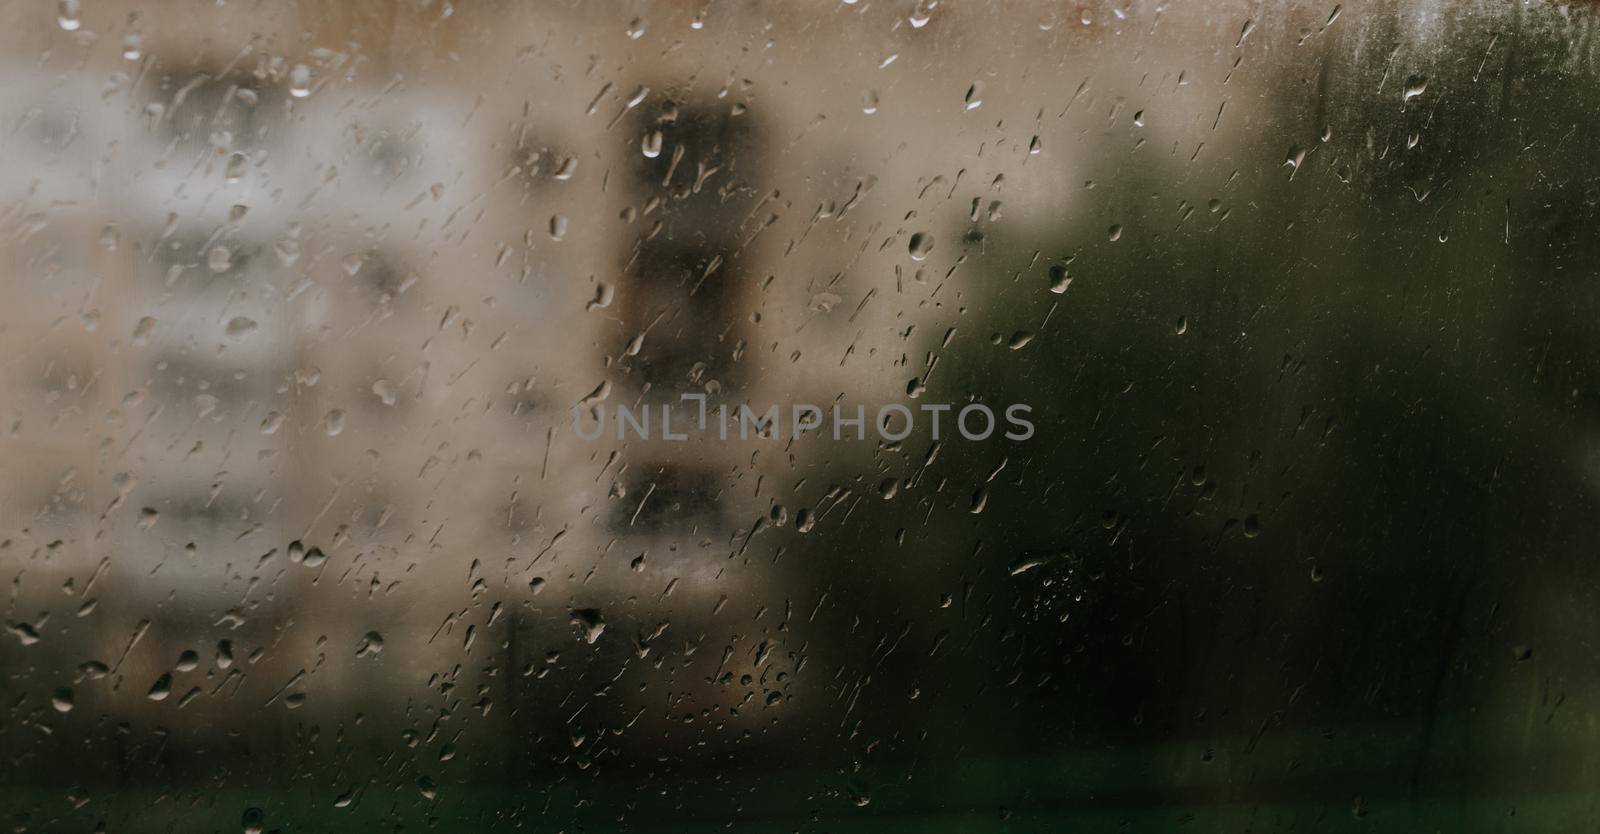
(828, 415)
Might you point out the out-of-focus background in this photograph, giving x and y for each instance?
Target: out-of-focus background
(298, 298)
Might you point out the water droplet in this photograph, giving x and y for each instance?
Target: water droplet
(974, 97)
(161, 688)
(592, 623)
(1059, 279)
(25, 633)
(1114, 233)
(1416, 85)
(824, 302)
(300, 81)
(287, 250)
(219, 259)
(241, 327)
(371, 645)
(921, 244)
(62, 699)
(1295, 157)
(67, 15)
(636, 28)
(558, 226)
(1244, 32)
(132, 46)
(333, 422)
(922, 12)
(650, 146)
(254, 821)
(869, 102)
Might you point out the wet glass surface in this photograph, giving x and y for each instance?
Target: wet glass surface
(799, 417)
